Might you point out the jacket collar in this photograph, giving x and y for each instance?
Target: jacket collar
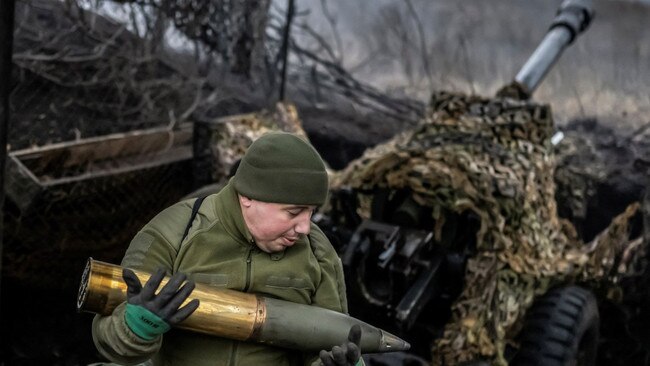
(229, 210)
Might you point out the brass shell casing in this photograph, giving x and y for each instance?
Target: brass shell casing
(222, 312)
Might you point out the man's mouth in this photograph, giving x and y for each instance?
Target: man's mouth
(289, 240)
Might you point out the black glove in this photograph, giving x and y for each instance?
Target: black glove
(347, 354)
(149, 314)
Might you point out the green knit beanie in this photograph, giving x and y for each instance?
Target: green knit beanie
(282, 168)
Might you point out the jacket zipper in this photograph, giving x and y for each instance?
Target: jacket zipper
(233, 355)
(248, 269)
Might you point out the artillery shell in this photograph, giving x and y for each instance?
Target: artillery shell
(241, 316)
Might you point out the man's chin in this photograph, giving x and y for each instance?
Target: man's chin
(277, 247)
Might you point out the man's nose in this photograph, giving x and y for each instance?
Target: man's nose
(304, 223)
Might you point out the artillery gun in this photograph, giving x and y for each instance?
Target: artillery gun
(449, 234)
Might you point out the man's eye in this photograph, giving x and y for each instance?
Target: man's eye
(294, 212)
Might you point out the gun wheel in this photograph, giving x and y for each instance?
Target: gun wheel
(561, 329)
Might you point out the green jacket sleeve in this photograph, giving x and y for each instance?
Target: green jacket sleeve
(155, 246)
(115, 341)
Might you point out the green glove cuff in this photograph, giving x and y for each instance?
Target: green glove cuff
(360, 362)
(144, 323)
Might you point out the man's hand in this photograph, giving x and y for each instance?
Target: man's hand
(149, 314)
(347, 354)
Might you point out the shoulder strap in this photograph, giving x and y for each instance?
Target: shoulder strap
(195, 210)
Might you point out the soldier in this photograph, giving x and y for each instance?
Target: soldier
(256, 236)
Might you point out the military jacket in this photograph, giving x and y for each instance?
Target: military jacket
(220, 251)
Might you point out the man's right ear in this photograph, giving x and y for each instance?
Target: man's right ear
(244, 201)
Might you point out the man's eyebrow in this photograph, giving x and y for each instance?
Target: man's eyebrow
(295, 207)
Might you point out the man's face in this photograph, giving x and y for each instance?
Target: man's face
(275, 226)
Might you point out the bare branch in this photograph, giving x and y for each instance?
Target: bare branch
(284, 53)
(423, 43)
(339, 80)
(332, 22)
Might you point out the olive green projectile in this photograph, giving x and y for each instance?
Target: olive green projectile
(312, 328)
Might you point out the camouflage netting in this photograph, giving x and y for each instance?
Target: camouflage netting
(492, 158)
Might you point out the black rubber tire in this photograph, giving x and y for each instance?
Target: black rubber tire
(561, 329)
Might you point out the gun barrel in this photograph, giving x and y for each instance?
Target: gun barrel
(573, 18)
(241, 316)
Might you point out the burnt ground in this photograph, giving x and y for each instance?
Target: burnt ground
(40, 326)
